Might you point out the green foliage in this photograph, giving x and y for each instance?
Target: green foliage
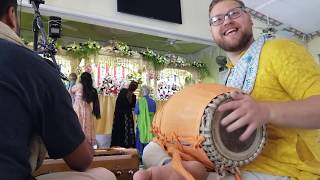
(122, 48)
(135, 76)
(25, 41)
(89, 48)
(160, 62)
(83, 50)
(157, 60)
(201, 68)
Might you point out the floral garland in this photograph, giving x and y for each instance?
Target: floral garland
(83, 50)
(122, 48)
(135, 76)
(89, 48)
(160, 61)
(201, 68)
(157, 60)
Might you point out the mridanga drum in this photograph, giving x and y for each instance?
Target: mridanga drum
(188, 127)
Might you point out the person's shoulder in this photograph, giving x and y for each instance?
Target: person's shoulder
(283, 44)
(26, 64)
(151, 99)
(13, 49)
(21, 57)
(123, 90)
(282, 52)
(77, 86)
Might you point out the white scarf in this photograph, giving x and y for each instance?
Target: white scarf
(243, 75)
(8, 34)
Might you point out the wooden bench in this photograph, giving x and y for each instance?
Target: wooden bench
(122, 162)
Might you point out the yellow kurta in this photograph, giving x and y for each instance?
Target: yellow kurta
(288, 72)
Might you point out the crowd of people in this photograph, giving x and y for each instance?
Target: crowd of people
(279, 81)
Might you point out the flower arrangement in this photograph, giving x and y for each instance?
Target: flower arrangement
(89, 48)
(160, 61)
(201, 68)
(83, 50)
(110, 86)
(122, 48)
(157, 60)
(135, 76)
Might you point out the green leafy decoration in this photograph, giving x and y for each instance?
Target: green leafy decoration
(157, 60)
(135, 76)
(201, 68)
(83, 50)
(160, 62)
(122, 48)
(89, 48)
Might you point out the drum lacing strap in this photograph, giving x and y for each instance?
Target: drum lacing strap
(222, 172)
(176, 158)
(175, 149)
(176, 162)
(237, 174)
(198, 140)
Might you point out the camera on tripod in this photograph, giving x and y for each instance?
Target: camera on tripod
(47, 49)
(37, 1)
(54, 27)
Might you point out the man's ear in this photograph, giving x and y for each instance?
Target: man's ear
(11, 18)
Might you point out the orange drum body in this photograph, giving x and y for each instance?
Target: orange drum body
(188, 127)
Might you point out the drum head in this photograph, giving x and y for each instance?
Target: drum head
(224, 148)
(228, 143)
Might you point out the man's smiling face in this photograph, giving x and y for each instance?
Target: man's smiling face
(233, 34)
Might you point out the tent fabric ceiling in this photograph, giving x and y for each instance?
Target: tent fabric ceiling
(77, 31)
(301, 16)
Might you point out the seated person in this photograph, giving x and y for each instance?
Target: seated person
(36, 107)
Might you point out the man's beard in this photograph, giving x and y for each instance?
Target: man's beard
(240, 45)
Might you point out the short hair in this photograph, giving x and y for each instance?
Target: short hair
(133, 86)
(5, 5)
(73, 76)
(145, 90)
(214, 2)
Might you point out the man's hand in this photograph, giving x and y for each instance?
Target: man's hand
(245, 111)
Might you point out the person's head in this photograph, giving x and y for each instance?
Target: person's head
(88, 89)
(145, 90)
(86, 79)
(8, 13)
(133, 86)
(230, 25)
(73, 77)
(90, 93)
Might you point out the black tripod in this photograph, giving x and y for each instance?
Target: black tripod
(47, 49)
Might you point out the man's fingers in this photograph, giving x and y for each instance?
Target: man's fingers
(247, 133)
(231, 105)
(239, 123)
(234, 115)
(237, 95)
